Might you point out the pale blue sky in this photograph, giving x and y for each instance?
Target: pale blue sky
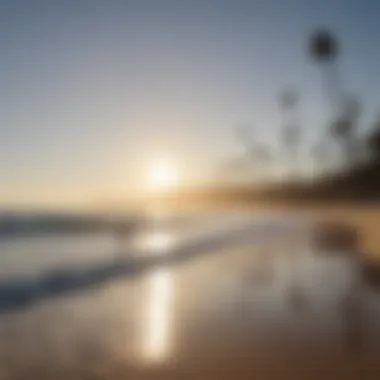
(92, 91)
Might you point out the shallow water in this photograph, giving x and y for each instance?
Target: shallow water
(241, 296)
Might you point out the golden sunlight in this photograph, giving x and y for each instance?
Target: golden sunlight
(162, 176)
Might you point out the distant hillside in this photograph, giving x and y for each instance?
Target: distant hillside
(358, 184)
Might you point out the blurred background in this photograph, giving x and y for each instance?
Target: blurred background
(172, 171)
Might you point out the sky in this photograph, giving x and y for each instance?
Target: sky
(93, 92)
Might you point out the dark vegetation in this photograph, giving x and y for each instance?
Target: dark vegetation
(346, 160)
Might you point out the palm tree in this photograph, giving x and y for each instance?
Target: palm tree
(373, 141)
(345, 127)
(324, 49)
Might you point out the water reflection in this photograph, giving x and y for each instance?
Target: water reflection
(156, 242)
(159, 301)
(159, 242)
(158, 315)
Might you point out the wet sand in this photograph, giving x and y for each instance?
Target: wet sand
(365, 219)
(275, 308)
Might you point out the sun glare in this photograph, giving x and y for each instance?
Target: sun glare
(162, 176)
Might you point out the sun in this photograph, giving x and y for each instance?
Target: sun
(162, 175)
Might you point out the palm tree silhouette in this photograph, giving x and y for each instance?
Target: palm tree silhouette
(324, 49)
(345, 127)
(373, 141)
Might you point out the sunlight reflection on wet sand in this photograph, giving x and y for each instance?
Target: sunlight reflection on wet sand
(158, 311)
(159, 300)
(280, 304)
(156, 242)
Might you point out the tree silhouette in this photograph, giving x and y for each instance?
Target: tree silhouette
(373, 141)
(345, 128)
(324, 49)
